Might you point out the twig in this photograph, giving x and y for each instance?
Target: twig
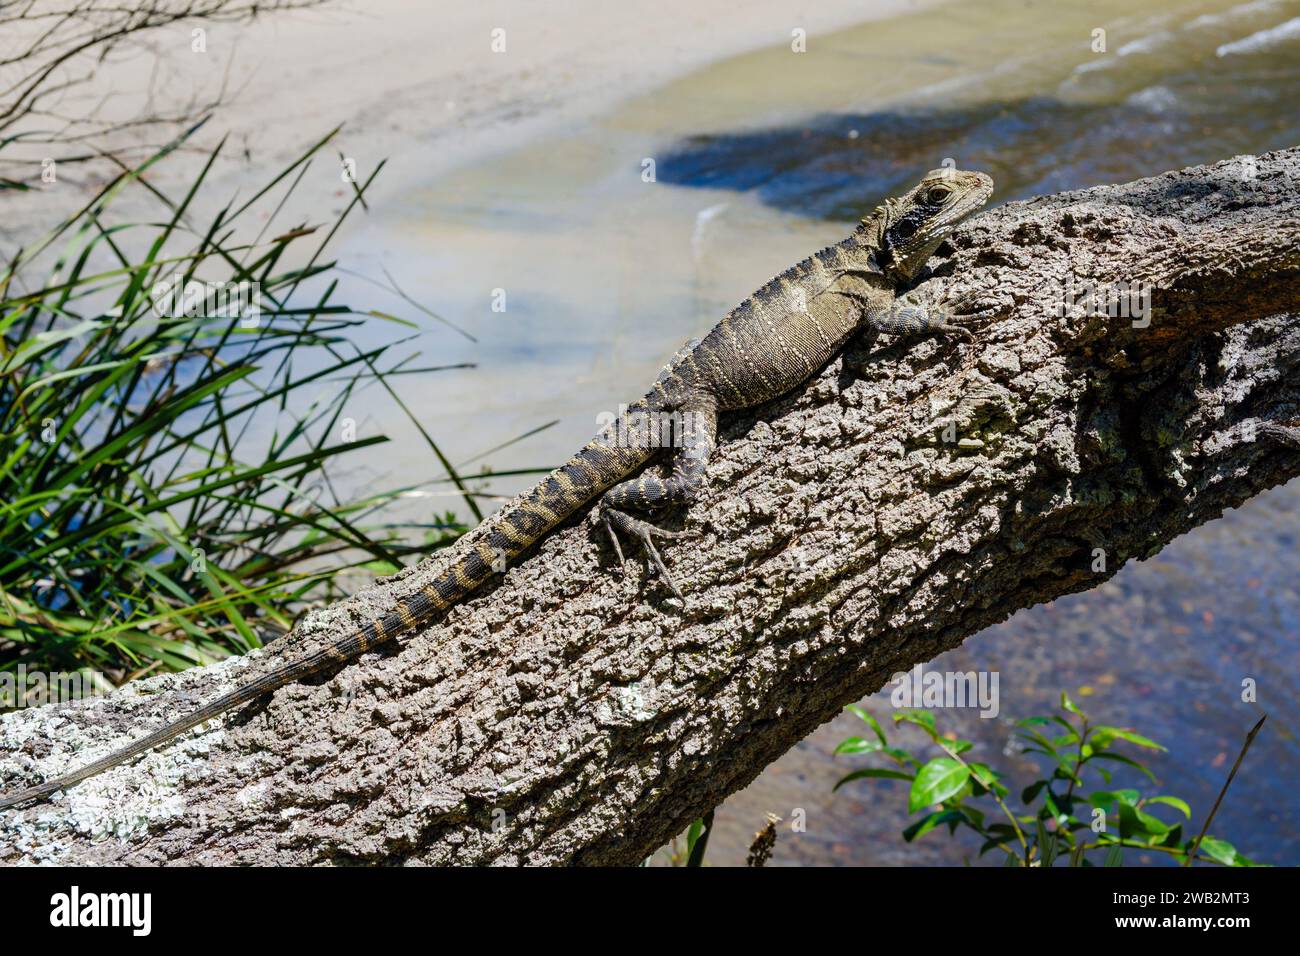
(1250, 737)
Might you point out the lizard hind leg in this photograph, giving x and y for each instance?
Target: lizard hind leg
(695, 436)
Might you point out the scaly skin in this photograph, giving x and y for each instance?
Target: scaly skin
(778, 337)
(769, 344)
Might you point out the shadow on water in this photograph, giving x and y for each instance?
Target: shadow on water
(836, 167)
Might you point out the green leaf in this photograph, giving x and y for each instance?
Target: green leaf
(990, 845)
(922, 718)
(932, 820)
(1174, 838)
(1002, 831)
(1069, 727)
(1039, 739)
(1028, 795)
(986, 778)
(1105, 798)
(973, 817)
(1067, 704)
(938, 780)
(869, 720)
(1173, 802)
(900, 756)
(1120, 758)
(1104, 735)
(697, 840)
(1032, 721)
(1221, 851)
(693, 834)
(856, 745)
(869, 773)
(1050, 845)
(1114, 856)
(1050, 803)
(1135, 822)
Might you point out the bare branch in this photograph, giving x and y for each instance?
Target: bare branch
(50, 49)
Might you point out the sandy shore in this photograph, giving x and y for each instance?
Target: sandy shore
(419, 83)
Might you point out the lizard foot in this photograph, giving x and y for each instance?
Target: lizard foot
(949, 329)
(961, 308)
(615, 521)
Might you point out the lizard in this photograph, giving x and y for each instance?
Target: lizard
(768, 345)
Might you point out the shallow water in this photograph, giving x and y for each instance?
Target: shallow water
(760, 160)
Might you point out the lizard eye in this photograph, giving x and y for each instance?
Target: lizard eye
(938, 194)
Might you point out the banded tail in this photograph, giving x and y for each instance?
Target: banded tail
(601, 464)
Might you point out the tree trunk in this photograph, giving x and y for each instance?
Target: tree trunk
(912, 494)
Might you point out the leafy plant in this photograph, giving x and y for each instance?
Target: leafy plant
(164, 491)
(1063, 819)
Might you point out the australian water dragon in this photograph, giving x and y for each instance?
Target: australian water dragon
(769, 344)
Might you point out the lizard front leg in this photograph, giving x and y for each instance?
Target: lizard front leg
(694, 440)
(905, 315)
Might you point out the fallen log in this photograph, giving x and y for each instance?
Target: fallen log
(911, 495)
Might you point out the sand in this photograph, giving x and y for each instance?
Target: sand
(417, 83)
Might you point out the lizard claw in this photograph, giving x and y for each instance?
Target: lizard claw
(945, 324)
(977, 302)
(976, 315)
(645, 531)
(613, 536)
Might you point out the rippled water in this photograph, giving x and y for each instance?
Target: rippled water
(1175, 96)
(758, 161)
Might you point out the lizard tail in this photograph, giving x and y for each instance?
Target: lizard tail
(599, 466)
(311, 664)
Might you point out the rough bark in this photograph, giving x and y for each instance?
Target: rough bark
(570, 715)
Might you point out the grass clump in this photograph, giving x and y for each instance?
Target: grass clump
(167, 479)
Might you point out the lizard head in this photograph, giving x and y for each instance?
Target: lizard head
(909, 229)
